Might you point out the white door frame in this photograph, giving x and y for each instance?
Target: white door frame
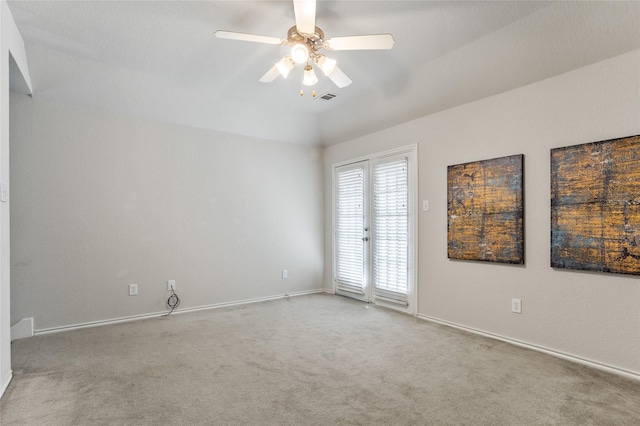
(411, 151)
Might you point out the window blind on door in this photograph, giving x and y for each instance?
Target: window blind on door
(350, 268)
(391, 230)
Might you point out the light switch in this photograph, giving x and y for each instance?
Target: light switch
(4, 192)
(425, 205)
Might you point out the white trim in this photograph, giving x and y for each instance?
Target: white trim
(177, 311)
(394, 151)
(5, 385)
(333, 229)
(573, 358)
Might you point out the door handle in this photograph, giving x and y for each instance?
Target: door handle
(365, 238)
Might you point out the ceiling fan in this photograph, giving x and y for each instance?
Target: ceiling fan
(306, 40)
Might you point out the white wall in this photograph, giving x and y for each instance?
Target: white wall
(5, 333)
(13, 70)
(101, 201)
(590, 316)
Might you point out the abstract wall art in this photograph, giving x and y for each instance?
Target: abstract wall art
(595, 206)
(485, 210)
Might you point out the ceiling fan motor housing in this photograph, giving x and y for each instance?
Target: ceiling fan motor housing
(313, 41)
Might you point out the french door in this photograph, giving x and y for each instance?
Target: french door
(374, 226)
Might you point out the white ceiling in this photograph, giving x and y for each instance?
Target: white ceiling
(161, 60)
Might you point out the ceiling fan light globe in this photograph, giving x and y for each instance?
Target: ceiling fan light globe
(327, 65)
(299, 53)
(285, 65)
(309, 78)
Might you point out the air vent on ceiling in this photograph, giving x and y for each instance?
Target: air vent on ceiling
(327, 96)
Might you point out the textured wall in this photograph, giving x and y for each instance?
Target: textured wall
(594, 316)
(101, 201)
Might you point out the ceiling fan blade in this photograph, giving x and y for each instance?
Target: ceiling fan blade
(305, 11)
(363, 42)
(339, 78)
(270, 75)
(248, 37)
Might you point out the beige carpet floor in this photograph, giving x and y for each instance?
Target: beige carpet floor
(310, 360)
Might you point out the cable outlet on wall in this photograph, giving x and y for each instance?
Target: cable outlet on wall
(285, 274)
(133, 289)
(171, 285)
(516, 306)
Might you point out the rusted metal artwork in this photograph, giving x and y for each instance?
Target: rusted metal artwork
(595, 206)
(485, 210)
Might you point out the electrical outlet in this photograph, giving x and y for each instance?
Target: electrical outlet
(133, 289)
(285, 274)
(171, 285)
(516, 306)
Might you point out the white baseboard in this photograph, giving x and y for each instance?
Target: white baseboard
(22, 329)
(548, 351)
(5, 385)
(177, 311)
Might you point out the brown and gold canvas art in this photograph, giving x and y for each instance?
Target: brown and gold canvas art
(595, 206)
(485, 210)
